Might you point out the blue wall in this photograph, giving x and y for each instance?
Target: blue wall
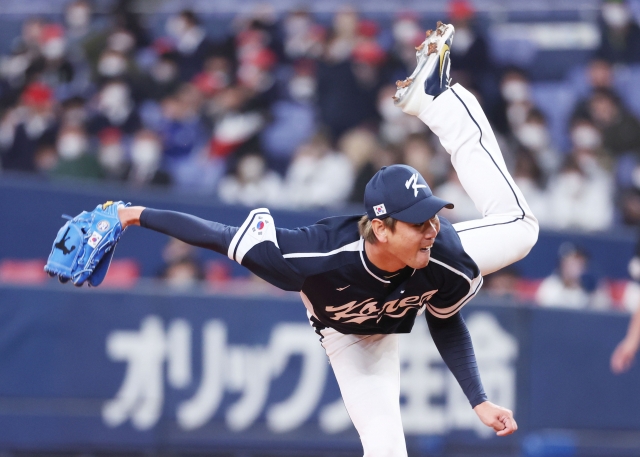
(95, 369)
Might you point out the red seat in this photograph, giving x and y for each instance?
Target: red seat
(18, 271)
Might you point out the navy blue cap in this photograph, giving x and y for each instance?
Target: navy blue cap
(401, 192)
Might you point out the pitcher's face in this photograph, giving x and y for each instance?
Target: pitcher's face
(411, 243)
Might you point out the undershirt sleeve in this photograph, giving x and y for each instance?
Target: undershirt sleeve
(190, 229)
(264, 259)
(453, 341)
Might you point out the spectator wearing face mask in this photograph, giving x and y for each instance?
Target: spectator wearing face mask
(112, 65)
(146, 160)
(112, 154)
(75, 158)
(30, 125)
(77, 19)
(573, 285)
(619, 33)
(587, 144)
(191, 43)
(115, 108)
(515, 102)
(302, 36)
(395, 126)
(580, 190)
(314, 166)
(533, 134)
(251, 184)
(52, 66)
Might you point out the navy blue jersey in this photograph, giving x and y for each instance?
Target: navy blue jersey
(341, 288)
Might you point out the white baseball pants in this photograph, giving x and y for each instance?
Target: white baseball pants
(367, 367)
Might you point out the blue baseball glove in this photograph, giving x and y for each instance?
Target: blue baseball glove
(84, 246)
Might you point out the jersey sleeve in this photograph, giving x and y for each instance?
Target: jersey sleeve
(255, 246)
(453, 341)
(190, 229)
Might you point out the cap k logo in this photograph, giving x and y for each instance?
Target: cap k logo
(413, 182)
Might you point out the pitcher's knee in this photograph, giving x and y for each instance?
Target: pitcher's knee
(528, 235)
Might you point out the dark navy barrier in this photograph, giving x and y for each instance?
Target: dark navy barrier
(89, 369)
(31, 217)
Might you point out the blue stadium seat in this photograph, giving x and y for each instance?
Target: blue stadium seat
(556, 100)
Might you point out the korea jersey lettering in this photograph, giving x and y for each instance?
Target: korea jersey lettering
(341, 288)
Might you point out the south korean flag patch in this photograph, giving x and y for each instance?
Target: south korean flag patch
(380, 209)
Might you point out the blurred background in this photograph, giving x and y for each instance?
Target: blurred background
(216, 108)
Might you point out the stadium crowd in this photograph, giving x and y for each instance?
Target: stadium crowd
(293, 112)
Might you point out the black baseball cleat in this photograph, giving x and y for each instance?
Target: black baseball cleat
(431, 76)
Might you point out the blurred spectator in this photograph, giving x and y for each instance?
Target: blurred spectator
(74, 112)
(302, 36)
(191, 43)
(77, 18)
(251, 184)
(181, 126)
(586, 144)
(407, 34)
(360, 146)
(501, 287)
(314, 165)
(620, 129)
(112, 154)
(581, 196)
(531, 181)
(384, 156)
(216, 75)
(452, 191)
(628, 187)
(515, 101)
(30, 125)
(146, 160)
(619, 33)
(52, 66)
(236, 122)
(419, 154)
(572, 285)
(470, 55)
(599, 73)
(534, 135)
(348, 89)
(46, 159)
(112, 64)
(76, 159)
(395, 125)
(115, 108)
(161, 80)
(182, 268)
